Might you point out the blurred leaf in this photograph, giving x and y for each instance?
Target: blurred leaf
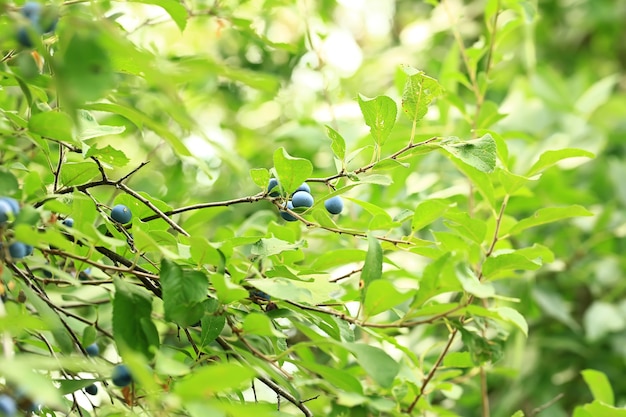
(596, 95)
(602, 318)
(177, 11)
(291, 171)
(317, 291)
(469, 227)
(132, 322)
(183, 293)
(380, 115)
(259, 324)
(427, 212)
(549, 215)
(514, 317)
(501, 262)
(599, 386)
(458, 360)
(227, 292)
(549, 158)
(479, 153)
(378, 364)
(54, 125)
(598, 409)
(209, 380)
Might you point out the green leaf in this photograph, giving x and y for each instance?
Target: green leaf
(316, 291)
(518, 413)
(373, 267)
(596, 95)
(514, 317)
(8, 183)
(506, 261)
(479, 153)
(470, 283)
(183, 293)
(261, 177)
(53, 125)
(341, 379)
(550, 158)
(549, 215)
(378, 364)
(599, 386)
(108, 155)
(83, 69)
(133, 328)
(381, 295)
(291, 171)
(51, 319)
(599, 409)
(338, 144)
(212, 327)
(380, 115)
(259, 324)
(469, 227)
(76, 173)
(419, 91)
(458, 360)
(177, 11)
(226, 291)
(205, 382)
(273, 246)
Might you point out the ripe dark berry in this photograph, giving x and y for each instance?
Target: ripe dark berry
(121, 376)
(302, 199)
(93, 349)
(286, 215)
(92, 389)
(121, 214)
(273, 184)
(303, 187)
(334, 205)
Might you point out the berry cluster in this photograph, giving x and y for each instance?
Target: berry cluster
(39, 20)
(9, 209)
(302, 199)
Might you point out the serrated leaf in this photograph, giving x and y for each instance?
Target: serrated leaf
(291, 171)
(550, 158)
(599, 386)
(108, 155)
(549, 215)
(419, 91)
(479, 153)
(338, 144)
(184, 293)
(381, 295)
(380, 115)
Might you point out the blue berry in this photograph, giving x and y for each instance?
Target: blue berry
(69, 222)
(286, 215)
(272, 185)
(334, 205)
(302, 199)
(259, 294)
(8, 407)
(121, 376)
(15, 206)
(5, 211)
(303, 187)
(121, 214)
(92, 389)
(31, 11)
(18, 250)
(93, 349)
